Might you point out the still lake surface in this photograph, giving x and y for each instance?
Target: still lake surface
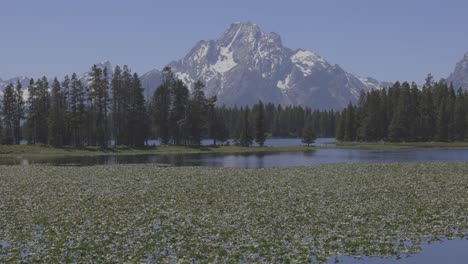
(259, 159)
(446, 251)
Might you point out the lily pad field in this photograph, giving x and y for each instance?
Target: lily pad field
(152, 214)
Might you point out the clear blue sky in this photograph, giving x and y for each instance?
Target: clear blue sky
(388, 40)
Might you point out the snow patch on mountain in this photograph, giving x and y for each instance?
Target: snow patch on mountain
(226, 59)
(185, 77)
(284, 85)
(225, 62)
(247, 64)
(306, 61)
(201, 52)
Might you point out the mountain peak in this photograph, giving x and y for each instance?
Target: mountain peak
(105, 64)
(246, 64)
(248, 33)
(459, 76)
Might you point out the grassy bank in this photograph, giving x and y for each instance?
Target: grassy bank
(396, 145)
(33, 150)
(138, 213)
(36, 150)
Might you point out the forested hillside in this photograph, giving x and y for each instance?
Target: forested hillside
(103, 111)
(405, 112)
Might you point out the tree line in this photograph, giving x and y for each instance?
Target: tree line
(106, 110)
(405, 113)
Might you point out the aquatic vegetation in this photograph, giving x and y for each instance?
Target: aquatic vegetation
(146, 213)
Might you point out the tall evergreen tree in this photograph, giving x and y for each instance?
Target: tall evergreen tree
(308, 135)
(19, 112)
(196, 117)
(38, 111)
(246, 136)
(400, 123)
(8, 113)
(66, 92)
(260, 134)
(56, 118)
(213, 120)
(138, 123)
(341, 126)
(442, 122)
(180, 97)
(161, 104)
(77, 112)
(351, 124)
(460, 116)
(427, 122)
(98, 100)
(121, 80)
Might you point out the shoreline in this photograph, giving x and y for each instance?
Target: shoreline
(10, 151)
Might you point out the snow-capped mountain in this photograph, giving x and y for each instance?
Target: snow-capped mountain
(150, 81)
(246, 65)
(22, 79)
(459, 77)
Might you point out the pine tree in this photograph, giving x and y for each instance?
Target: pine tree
(213, 122)
(245, 135)
(31, 118)
(19, 113)
(427, 115)
(8, 113)
(98, 100)
(451, 101)
(351, 124)
(222, 133)
(308, 135)
(460, 116)
(161, 104)
(341, 126)
(414, 115)
(180, 97)
(38, 111)
(138, 114)
(118, 104)
(77, 112)
(66, 107)
(196, 117)
(400, 123)
(442, 122)
(56, 119)
(260, 133)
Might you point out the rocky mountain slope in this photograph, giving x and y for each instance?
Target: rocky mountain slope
(459, 77)
(246, 65)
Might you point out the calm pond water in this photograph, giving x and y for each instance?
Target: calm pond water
(271, 142)
(447, 252)
(256, 160)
